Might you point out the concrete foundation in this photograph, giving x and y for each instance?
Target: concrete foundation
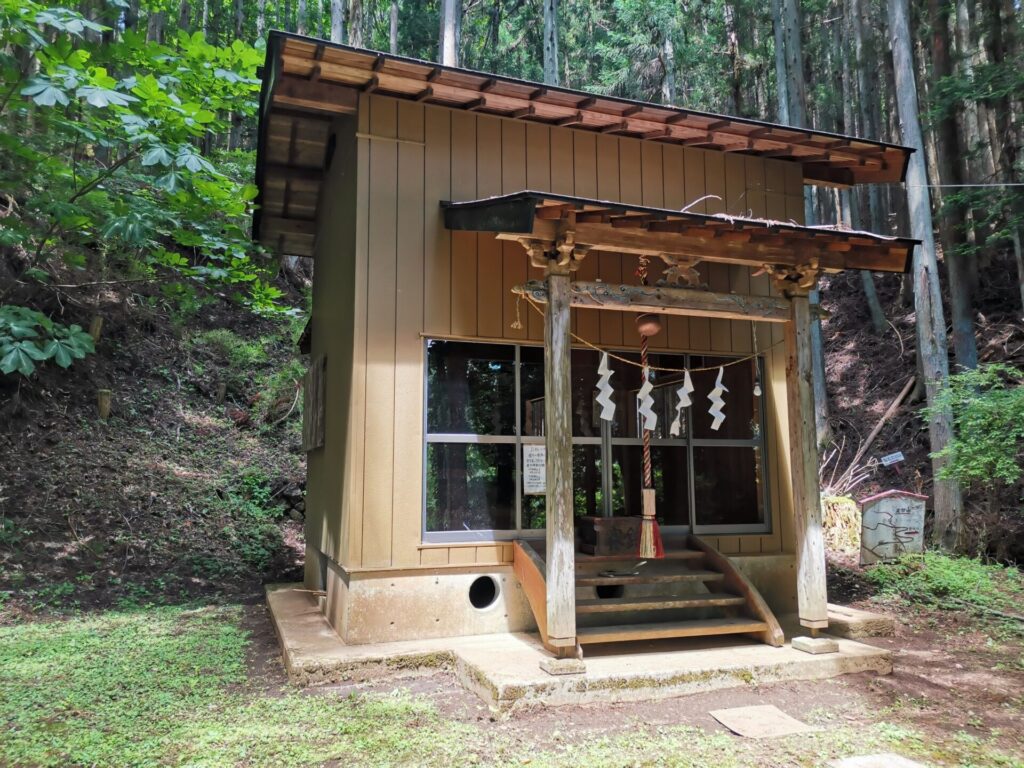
(391, 606)
(395, 605)
(854, 623)
(504, 668)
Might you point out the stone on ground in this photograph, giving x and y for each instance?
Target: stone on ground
(759, 722)
(815, 644)
(887, 760)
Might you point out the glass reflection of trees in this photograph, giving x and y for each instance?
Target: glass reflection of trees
(474, 439)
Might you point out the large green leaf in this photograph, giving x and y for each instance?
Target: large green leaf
(45, 93)
(20, 357)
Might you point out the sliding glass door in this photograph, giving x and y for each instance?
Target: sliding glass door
(485, 414)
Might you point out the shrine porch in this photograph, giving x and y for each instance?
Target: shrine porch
(504, 668)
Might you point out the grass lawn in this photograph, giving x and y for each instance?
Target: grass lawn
(174, 686)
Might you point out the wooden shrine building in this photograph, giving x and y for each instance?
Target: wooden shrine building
(479, 244)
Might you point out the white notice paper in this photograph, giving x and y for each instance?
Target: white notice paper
(534, 469)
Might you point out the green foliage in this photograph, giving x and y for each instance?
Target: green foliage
(231, 348)
(114, 162)
(939, 580)
(988, 418)
(254, 515)
(28, 337)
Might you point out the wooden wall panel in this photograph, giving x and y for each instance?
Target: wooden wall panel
(586, 183)
(351, 543)
(437, 252)
(794, 192)
(563, 161)
(674, 192)
(409, 292)
(652, 191)
(382, 275)
(489, 268)
(541, 166)
(413, 278)
(513, 257)
(755, 186)
(630, 172)
(736, 202)
(464, 244)
(714, 181)
(693, 180)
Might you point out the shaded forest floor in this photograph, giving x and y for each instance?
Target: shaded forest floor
(867, 371)
(191, 489)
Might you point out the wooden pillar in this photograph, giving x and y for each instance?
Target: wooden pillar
(561, 545)
(812, 603)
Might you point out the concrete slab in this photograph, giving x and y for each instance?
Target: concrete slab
(887, 760)
(854, 623)
(504, 669)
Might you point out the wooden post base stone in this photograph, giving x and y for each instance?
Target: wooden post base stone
(815, 645)
(563, 666)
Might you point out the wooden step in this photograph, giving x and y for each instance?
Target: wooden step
(697, 628)
(652, 577)
(582, 558)
(714, 599)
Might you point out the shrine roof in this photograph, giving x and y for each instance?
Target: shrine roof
(623, 228)
(307, 82)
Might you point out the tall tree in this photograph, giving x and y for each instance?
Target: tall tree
(796, 111)
(354, 23)
(668, 65)
(261, 18)
(448, 50)
(337, 20)
(393, 36)
(781, 71)
(551, 42)
(732, 47)
(953, 214)
(931, 326)
(854, 120)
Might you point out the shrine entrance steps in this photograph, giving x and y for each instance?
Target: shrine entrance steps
(694, 591)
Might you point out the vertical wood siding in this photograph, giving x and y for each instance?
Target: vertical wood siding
(412, 278)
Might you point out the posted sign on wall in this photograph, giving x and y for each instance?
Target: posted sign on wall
(534, 469)
(892, 523)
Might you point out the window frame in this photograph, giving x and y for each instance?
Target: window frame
(518, 440)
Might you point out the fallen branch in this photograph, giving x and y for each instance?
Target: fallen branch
(885, 417)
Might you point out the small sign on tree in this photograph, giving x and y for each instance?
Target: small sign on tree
(892, 524)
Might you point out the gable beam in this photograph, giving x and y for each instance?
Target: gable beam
(665, 301)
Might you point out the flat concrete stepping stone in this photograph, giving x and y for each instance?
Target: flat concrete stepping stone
(759, 722)
(887, 760)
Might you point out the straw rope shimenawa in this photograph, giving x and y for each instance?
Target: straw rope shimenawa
(650, 536)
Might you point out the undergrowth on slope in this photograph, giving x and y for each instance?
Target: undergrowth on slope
(942, 581)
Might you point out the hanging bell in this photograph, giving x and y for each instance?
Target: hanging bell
(757, 387)
(648, 324)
